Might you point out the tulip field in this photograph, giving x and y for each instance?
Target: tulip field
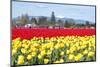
(52, 46)
(30, 33)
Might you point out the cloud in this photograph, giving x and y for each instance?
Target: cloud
(40, 5)
(60, 16)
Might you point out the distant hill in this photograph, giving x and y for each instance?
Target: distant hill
(77, 21)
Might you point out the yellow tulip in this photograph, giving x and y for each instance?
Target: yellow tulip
(33, 48)
(62, 45)
(46, 61)
(14, 51)
(67, 52)
(57, 46)
(72, 49)
(78, 57)
(49, 45)
(34, 54)
(83, 46)
(44, 46)
(26, 46)
(24, 41)
(51, 48)
(89, 48)
(49, 52)
(56, 62)
(39, 56)
(43, 52)
(71, 57)
(29, 57)
(67, 44)
(61, 61)
(91, 54)
(78, 48)
(20, 62)
(20, 59)
(36, 45)
(23, 50)
(85, 52)
(62, 53)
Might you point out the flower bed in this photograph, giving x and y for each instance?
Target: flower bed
(53, 50)
(30, 33)
(50, 46)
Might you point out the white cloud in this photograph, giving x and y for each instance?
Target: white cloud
(60, 16)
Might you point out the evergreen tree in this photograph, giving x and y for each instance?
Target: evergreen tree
(53, 20)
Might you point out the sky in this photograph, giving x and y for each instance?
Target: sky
(61, 10)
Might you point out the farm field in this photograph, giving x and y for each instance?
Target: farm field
(52, 46)
(30, 33)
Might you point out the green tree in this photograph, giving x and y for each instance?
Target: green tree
(69, 23)
(33, 20)
(53, 20)
(24, 19)
(87, 23)
(42, 20)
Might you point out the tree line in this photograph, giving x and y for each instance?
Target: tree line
(42, 21)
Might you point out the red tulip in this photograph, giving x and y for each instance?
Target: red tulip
(30, 33)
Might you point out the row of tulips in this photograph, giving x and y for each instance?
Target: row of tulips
(62, 49)
(29, 33)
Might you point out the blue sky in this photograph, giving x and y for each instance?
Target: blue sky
(43, 9)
